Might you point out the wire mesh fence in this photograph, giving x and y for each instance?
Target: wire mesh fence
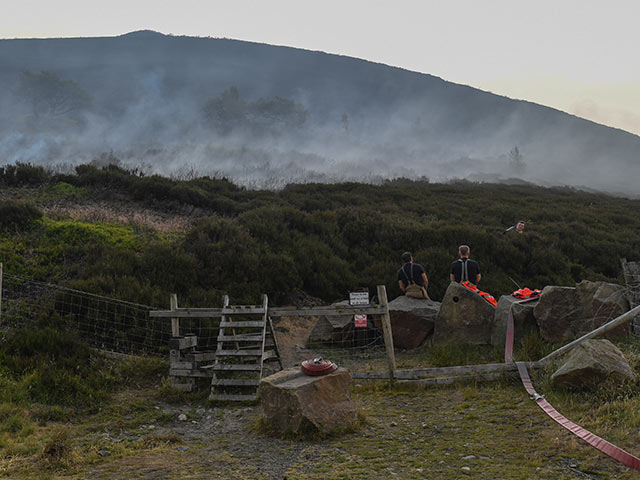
(114, 325)
(357, 345)
(104, 323)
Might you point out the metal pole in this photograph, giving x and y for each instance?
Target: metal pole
(386, 329)
(625, 317)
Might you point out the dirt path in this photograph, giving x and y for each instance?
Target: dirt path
(487, 432)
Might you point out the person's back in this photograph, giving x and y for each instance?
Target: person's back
(465, 269)
(412, 275)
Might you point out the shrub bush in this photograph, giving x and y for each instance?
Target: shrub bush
(16, 216)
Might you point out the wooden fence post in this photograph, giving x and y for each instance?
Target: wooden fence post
(386, 329)
(175, 321)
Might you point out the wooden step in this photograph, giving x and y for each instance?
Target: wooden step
(250, 310)
(242, 324)
(269, 355)
(240, 338)
(239, 382)
(234, 367)
(239, 353)
(232, 398)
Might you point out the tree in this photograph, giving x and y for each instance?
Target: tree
(277, 113)
(50, 96)
(228, 112)
(516, 160)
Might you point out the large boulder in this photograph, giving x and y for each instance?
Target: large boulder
(523, 319)
(412, 320)
(464, 317)
(555, 312)
(608, 302)
(566, 313)
(297, 403)
(591, 364)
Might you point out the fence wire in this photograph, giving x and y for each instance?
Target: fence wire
(125, 327)
(104, 323)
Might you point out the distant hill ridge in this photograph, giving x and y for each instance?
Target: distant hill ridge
(364, 119)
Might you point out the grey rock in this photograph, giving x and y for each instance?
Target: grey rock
(464, 317)
(592, 364)
(565, 313)
(523, 319)
(412, 320)
(555, 312)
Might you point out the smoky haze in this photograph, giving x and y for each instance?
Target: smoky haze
(364, 122)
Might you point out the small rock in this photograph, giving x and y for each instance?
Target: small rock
(194, 422)
(466, 469)
(469, 457)
(157, 407)
(394, 424)
(151, 427)
(182, 417)
(424, 425)
(104, 453)
(200, 411)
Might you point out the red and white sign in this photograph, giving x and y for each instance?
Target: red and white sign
(360, 320)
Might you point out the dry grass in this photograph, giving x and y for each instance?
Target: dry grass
(105, 213)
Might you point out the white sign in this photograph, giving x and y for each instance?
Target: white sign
(358, 298)
(360, 320)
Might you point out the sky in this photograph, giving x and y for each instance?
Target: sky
(576, 56)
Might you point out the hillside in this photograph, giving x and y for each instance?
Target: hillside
(139, 238)
(362, 120)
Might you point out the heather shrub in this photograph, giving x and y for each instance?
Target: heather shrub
(16, 216)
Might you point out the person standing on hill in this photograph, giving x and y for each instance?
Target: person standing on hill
(465, 269)
(412, 279)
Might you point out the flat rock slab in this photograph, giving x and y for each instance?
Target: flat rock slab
(296, 403)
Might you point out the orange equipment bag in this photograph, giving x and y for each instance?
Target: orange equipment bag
(488, 297)
(526, 293)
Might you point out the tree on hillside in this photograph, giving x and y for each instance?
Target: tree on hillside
(516, 161)
(50, 96)
(277, 113)
(228, 112)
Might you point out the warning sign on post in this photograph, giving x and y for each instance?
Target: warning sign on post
(358, 298)
(360, 320)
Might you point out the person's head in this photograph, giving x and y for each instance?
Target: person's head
(520, 225)
(407, 257)
(464, 251)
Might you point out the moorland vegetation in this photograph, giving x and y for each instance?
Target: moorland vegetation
(322, 239)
